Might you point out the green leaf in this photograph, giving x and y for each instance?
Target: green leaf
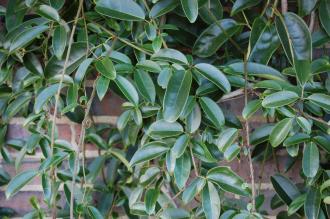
(162, 7)
(212, 111)
(26, 36)
(264, 41)
(59, 41)
(280, 131)
(149, 176)
(106, 68)
(324, 14)
(321, 100)
(214, 75)
(182, 170)
(102, 85)
(281, 98)
(96, 139)
(176, 95)
(310, 161)
(211, 201)
(213, 37)
(77, 56)
(193, 189)
(251, 108)
(241, 5)
(284, 188)
(323, 142)
(228, 180)
(149, 65)
(127, 88)
(145, 85)
(190, 9)
(150, 200)
(19, 181)
(170, 55)
(16, 106)
(48, 12)
(180, 145)
(226, 138)
(127, 10)
(296, 139)
(163, 129)
(32, 63)
(194, 119)
(296, 204)
(255, 69)
(211, 10)
(304, 124)
(94, 213)
(231, 152)
(297, 43)
(148, 152)
(82, 70)
(312, 203)
(44, 96)
(306, 6)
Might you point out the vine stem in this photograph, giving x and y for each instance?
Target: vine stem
(57, 97)
(247, 134)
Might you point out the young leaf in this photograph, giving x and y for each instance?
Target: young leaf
(280, 131)
(127, 10)
(310, 162)
(176, 95)
(211, 202)
(19, 181)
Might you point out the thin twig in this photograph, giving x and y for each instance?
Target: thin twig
(57, 97)
(284, 6)
(311, 22)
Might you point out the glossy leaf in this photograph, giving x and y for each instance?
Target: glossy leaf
(212, 38)
(170, 55)
(180, 145)
(102, 85)
(120, 10)
(151, 197)
(213, 112)
(312, 203)
(310, 161)
(251, 108)
(211, 201)
(148, 152)
(19, 181)
(284, 188)
(280, 131)
(82, 70)
(145, 85)
(94, 213)
(106, 68)
(48, 12)
(25, 37)
(162, 7)
(214, 75)
(193, 189)
(240, 5)
(182, 170)
(59, 41)
(127, 88)
(321, 100)
(324, 15)
(226, 138)
(44, 96)
(190, 8)
(228, 180)
(176, 95)
(16, 106)
(164, 129)
(279, 99)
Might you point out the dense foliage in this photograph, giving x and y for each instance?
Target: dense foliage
(173, 61)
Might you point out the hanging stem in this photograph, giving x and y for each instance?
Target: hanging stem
(57, 97)
(247, 134)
